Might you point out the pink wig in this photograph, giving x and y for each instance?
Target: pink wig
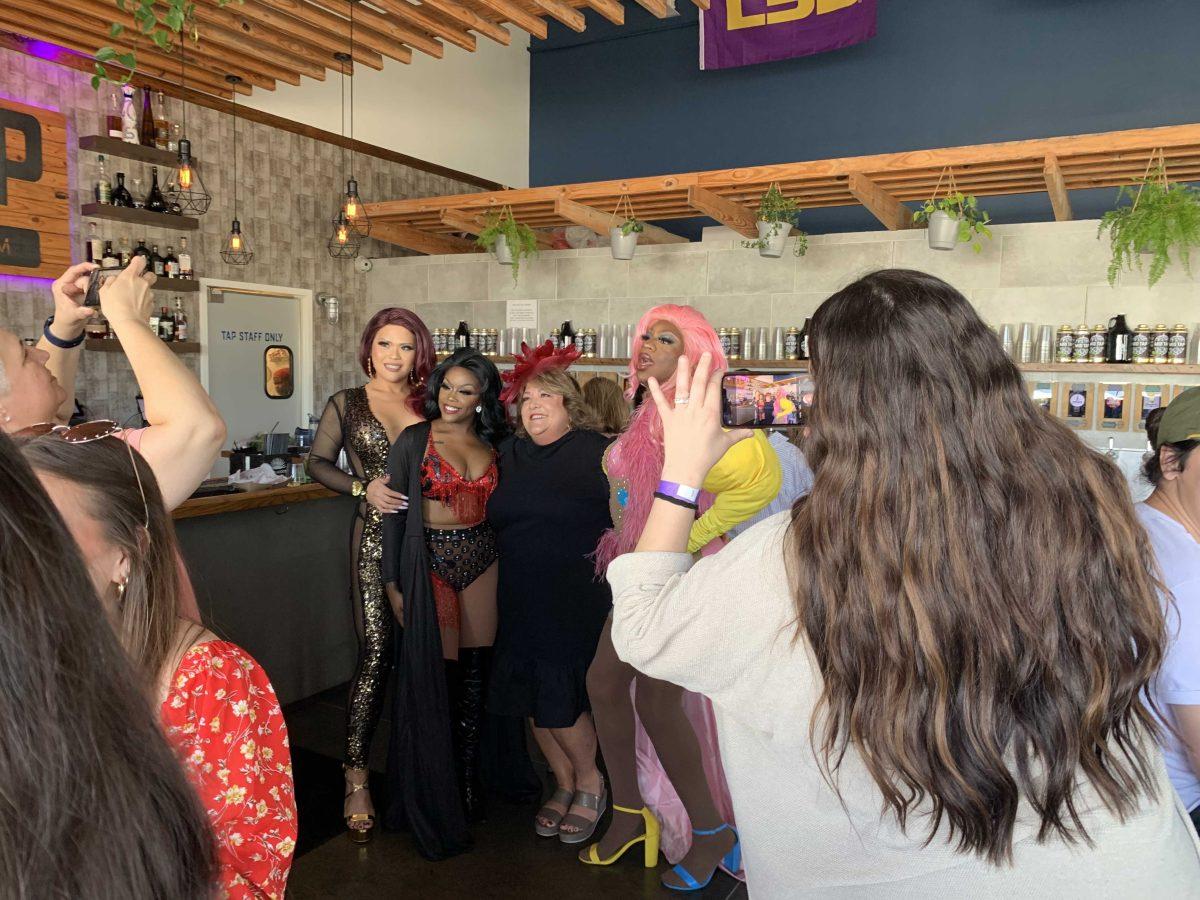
(635, 460)
(422, 341)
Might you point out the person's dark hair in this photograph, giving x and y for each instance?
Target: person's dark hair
(95, 803)
(148, 619)
(490, 425)
(972, 579)
(422, 341)
(1152, 467)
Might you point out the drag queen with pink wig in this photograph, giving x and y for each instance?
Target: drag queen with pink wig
(663, 765)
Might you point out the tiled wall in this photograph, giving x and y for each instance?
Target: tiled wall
(288, 190)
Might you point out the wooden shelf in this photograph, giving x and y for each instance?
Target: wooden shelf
(1106, 369)
(119, 148)
(112, 345)
(177, 285)
(139, 217)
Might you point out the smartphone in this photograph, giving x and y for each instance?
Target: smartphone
(765, 399)
(96, 281)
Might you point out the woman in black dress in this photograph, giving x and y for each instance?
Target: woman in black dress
(549, 510)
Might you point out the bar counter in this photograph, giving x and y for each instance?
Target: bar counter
(279, 496)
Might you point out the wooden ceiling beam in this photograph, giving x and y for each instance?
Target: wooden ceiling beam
(610, 9)
(1056, 187)
(335, 25)
(894, 215)
(323, 43)
(386, 26)
(568, 15)
(507, 11)
(280, 48)
(219, 31)
(601, 222)
(730, 214)
(702, 4)
(420, 241)
(656, 8)
(471, 19)
(418, 18)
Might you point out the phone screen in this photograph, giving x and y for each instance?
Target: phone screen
(765, 399)
(96, 281)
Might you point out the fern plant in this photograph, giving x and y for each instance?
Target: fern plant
(632, 225)
(521, 240)
(972, 221)
(1162, 216)
(154, 21)
(780, 211)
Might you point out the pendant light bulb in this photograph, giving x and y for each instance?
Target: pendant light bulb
(237, 250)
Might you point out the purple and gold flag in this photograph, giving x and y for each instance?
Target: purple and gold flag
(744, 32)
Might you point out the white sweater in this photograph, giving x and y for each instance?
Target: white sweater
(726, 629)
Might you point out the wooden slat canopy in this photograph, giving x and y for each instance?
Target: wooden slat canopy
(882, 182)
(268, 41)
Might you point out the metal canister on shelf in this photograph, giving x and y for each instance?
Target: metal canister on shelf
(1083, 345)
(791, 343)
(1160, 345)
(1066, 344)
(1098, 353)
(590, 343)
(491, 341)
(1177, 345)
(1139, 346)
(556, 337)
(440, 336)
(735, 343)
(477, 339)
(726, 341)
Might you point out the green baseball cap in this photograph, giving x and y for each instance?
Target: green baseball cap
(1181, 420)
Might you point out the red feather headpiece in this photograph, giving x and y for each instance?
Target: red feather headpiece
(531, 363)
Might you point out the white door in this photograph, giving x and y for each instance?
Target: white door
(256, 361)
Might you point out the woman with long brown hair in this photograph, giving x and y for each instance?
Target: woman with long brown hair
(95, 804)
(929, 676)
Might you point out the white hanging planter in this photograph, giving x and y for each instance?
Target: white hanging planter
(773, 236)
(622, 245)
(503, 251)
(943, 231)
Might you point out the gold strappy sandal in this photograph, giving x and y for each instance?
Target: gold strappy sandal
(360, 825)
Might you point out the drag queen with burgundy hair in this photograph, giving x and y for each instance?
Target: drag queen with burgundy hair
(667, 802)
(396, 354)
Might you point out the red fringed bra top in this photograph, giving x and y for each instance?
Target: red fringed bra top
(468, 498)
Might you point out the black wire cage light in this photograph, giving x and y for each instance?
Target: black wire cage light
(236, 250)
(185, 189)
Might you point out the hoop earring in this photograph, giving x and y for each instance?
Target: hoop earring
(371, 367)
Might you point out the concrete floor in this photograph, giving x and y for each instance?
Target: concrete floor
(508, 861)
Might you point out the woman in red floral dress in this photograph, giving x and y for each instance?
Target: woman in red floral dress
(218, 707)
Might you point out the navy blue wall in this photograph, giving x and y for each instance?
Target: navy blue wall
(631, 100)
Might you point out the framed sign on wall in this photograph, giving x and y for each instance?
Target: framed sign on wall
(35, 220)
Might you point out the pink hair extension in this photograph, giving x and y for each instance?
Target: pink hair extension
(636, 458)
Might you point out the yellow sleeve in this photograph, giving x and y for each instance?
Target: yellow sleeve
(745, 480)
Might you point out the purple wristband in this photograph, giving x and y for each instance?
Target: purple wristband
(679, 491)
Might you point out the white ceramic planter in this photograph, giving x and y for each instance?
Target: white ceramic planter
(774, 235)
(943, 231)
(623, 245)
(503, 251)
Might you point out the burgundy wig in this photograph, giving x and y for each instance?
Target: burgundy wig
(422, 341)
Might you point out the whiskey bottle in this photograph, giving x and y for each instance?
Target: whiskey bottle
(112, 117)
(140, 250)
(126, 256)
(162, 128)
(146, 129)
(181, 322)
(166, 325)
(155, 202)
(103, 190)
(157, 264)
(185, 259)
(95, 248)
(109, 260)
(171, 266)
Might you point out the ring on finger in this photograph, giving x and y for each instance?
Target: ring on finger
(682, 401)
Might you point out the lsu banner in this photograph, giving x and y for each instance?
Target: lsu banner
(744, 32)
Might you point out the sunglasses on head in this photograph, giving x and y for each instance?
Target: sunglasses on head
(86, 433)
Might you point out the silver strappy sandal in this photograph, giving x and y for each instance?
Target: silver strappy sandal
(598, 802)
(560, 795)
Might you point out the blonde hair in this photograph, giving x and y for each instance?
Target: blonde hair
(608, 403)
(557, 381)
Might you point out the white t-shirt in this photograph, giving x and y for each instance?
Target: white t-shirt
(1178, 682)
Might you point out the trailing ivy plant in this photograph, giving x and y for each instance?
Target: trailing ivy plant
(632, 225)
(156, 22)
(1162, 216)
(780, 211)
(972, 221)
(521, 240)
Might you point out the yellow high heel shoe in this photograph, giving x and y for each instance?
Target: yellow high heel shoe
(650, 838)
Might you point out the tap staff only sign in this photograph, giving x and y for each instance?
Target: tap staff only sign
(35, 222)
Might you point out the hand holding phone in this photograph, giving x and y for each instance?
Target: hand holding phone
(765, 399)
(97, 280)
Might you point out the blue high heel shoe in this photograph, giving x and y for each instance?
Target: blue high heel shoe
(731, 861)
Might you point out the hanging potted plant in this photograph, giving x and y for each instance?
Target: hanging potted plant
(777, 216)
(623, 238)
(953, 219)
(1163, 217)
(508, 239)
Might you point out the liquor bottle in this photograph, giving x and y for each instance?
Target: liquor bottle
(103, 190)
(804, 332)
(140, 250)
(157, 264)
(166, 325)
(171, 266)
(173, 140)
(129, 129)
(162, 128)
(462, 337)
(120, 194)
(154, 200)
(185, 260)
(181, 322)
(109, 260)
(566, 335)
(1118, 348)
(146, 129)
(95, 247)
(126, 254)
(153, 321)
(112, 118)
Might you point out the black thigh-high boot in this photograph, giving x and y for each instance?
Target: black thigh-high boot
(475, 663)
